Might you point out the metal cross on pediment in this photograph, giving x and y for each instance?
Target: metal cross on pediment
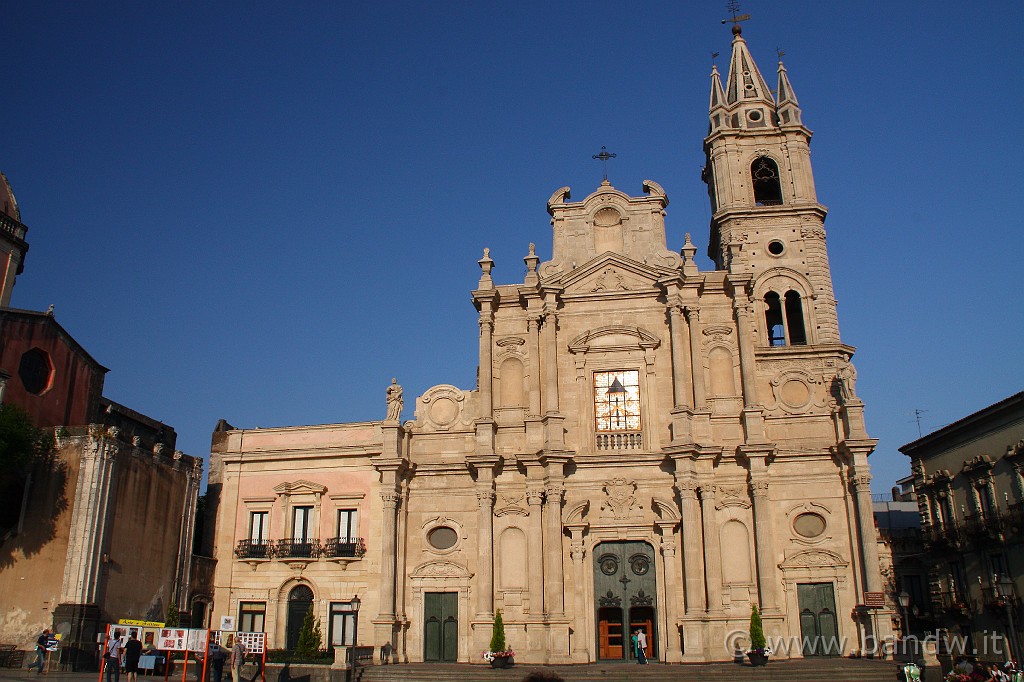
(733, 8)
(603, 158)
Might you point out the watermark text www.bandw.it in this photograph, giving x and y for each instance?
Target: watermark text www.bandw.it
(985, 643)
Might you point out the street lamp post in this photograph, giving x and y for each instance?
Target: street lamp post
(1004, 591)
(904, 605)
(355, 620)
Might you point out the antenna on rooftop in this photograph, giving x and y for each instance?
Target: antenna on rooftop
(917, 417)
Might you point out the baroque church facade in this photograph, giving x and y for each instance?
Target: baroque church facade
(648, 445)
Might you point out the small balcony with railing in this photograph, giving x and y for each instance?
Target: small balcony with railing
(297, 548)
(254, 549)
(620, 440)
(940, 535)
(954, 603)
(343, 549)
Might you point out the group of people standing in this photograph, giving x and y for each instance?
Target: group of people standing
(116, 655)
(639, 642)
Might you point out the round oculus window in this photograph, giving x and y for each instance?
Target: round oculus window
(442, 537)
(809, 525)
(776, 247)
(35, 371)
(640, 564)
(754, 115)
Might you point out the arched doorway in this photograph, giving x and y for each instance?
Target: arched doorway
(625, 587)
(300, 601)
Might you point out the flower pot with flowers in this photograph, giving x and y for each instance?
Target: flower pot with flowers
(759, 650)
(499, 656)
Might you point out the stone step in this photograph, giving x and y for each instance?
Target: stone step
(799, 670)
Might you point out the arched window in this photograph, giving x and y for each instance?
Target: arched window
(764, 173)
(785, 321)
(795, 319)
(773, 319)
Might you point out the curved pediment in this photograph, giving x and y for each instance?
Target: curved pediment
(614, 338)
(814, 558)
(440, 569)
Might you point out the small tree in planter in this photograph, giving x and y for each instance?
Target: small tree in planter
(758, 652)
(310, 637)
(499, 656)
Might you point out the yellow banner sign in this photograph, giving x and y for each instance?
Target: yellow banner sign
(140, 623)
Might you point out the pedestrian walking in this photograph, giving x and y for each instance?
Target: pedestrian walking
(40, 651)
(113, 658)
(641, 646)
(217, 656)
(132, 654)
(237, 660)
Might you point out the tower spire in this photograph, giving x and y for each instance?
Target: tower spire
(746, 84)
(716, 107)
(788, 108)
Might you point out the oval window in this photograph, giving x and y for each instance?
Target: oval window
(809, 525)
(442, 537)
(776, 248)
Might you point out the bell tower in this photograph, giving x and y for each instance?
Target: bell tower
(12, 241)
(767, 225)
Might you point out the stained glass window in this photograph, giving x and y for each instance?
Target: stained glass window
(617, 400)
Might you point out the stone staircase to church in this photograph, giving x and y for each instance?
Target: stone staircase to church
(798, 670)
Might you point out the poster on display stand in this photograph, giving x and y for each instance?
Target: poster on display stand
(172, 639)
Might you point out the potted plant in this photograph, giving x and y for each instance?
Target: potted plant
(499, 655)
(759, 651)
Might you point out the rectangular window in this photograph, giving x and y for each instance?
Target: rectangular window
(301, 520)
(348, 525)
(252, 616)
(343, 624)
(617, 400)
(258, 526)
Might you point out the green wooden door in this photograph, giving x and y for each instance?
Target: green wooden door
(440, 627)
(819, 629)
(625, 587)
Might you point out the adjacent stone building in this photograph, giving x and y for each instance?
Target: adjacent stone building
(969, 481)
(101, 528)
(648, 445)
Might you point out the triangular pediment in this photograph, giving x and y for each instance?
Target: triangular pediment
(610, 273)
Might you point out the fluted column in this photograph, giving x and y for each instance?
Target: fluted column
(533, 332)
(693, 546)
(696, 362)
(535, 551)
(861, 484)
(486, 366)
(712, 547)
(745, 339)
(555, 596)
(485, 555)
(550, 359)
(766, 578)
(681, 391)
(387, 554)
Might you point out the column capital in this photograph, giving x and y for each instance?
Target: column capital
(554, 492)
(861, 482)
(390, 500)
(687, 487)
(577, 551)
(535, 497)
(692, 312)
(485, 497)
(707, 491)
(759, 488)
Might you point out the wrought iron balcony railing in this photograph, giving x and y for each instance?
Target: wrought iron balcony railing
(344, 547)
(254, 549)
(298, 548)
(954, 602)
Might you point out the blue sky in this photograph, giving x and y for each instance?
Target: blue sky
(263, 211)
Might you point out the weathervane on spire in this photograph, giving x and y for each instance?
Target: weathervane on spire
(733, 6)
(603, 158)
(779, 51)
